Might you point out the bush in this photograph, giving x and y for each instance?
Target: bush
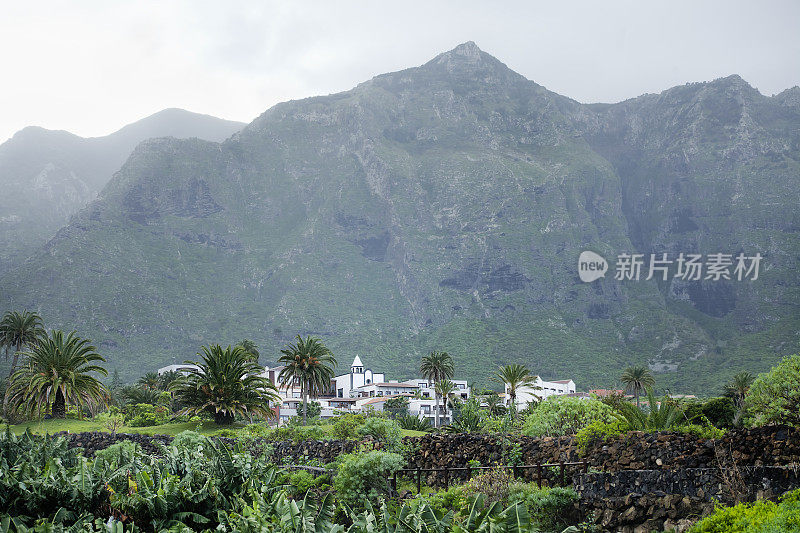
(386, 431)
(363, 477)
(550, 508)
(702, 431)
(145, 414)
(119, 453)
(559, 415)
(493, 484)
(346, 425)
(760, 517)
(598, 432)
(453, 499)
(190, 441)
(774, 397)
(112, 420)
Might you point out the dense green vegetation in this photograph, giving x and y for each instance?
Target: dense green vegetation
(201, 485)
(760, 517)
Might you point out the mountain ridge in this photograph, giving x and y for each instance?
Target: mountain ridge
(47, 175)
(433, 209)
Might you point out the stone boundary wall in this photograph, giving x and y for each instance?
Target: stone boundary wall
(764, 446)
(647, 500)
(324, 450)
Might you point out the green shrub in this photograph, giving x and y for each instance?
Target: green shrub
(119, 453)
(701, 431)
(560, 415)
(191, 441)
(145, 414)
(549, 508)
(453, 499)
(112, 420)
(774, 397)
(300, 481)
(596, 432)
(363, 477)
(760, 517)
(346, 425)
(493, 484)
(384, 430)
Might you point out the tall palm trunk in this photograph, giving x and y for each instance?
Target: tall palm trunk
(436, 402)
(513, 407)
(15, 359)
(59, 406)
(305, 402)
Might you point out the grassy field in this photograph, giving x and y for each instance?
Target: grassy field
(42, 427)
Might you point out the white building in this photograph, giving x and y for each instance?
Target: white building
(344, 386)
(541, 390)
(182, 368)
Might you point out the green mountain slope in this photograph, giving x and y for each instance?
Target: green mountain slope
(445, 207)
(46, 176)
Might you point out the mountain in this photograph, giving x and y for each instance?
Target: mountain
(47, 176)
(445, 207)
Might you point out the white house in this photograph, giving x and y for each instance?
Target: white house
(182, 368)
(345, 386)
(541, 390)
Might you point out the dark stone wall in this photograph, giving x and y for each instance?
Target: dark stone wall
(325, 450)
(655, 500)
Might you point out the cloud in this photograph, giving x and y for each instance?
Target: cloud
(91, 67)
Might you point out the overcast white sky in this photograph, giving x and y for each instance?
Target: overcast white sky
(91, 67)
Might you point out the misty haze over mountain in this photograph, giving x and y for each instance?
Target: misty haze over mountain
(438, 207)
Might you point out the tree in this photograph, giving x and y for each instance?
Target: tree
(18, 330)
(225, 383)
(444, 389)
(56, 372)
(309, 363)
(251, 348)
(662, 414)
(150, 381)
(515, 377)
(774, 397)
(397, 406)
(738, 387)
(494, 404)
(137, 394)
(637, 379)
(437, 366)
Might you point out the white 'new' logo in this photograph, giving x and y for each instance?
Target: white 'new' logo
(591, 266)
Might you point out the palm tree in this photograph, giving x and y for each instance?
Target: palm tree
(138, 394)
(662, 414)
(251, 348)
(166, 379)
(445, 388)
(738, 387)
(225, 383)
(56, 372)
(636, 379)
(514, 377)
(150, 381)
(437, 366)
(309, 363)
(494, 404)
(18, 330)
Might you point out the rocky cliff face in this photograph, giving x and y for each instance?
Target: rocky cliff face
(47, 176)
(445, 207)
